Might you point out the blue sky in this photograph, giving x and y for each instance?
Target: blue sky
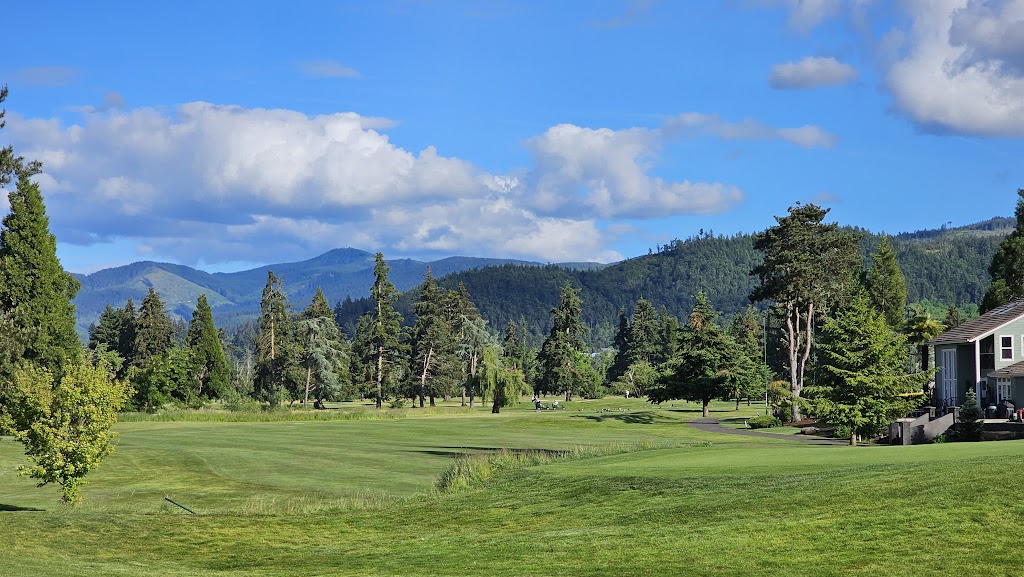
(228, 134)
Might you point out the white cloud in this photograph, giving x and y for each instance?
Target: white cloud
(806, 14)
(327, 69)
(959, 69)
(223, 183)
(806, 136)
(811, 72)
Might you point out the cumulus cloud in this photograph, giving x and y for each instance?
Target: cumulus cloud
(327, 69)
(215, 183)
(807, 136)
(806, 14)
(811, 72)
(959, 68)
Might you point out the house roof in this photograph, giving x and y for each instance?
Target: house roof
(982, 326)
(1014, 370)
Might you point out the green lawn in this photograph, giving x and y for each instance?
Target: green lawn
(354, 498)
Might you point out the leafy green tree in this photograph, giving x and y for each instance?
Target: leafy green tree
(638, 379)
(165, 378)
(1007, 268)
(707, 363)
(886, 285)
(325, 355)
(384, 327)
(277, 353)
(213, 375)
(502, 382)
(565, 342)
(65, 424)
(808, 266)
(153, 329)
(865, 385)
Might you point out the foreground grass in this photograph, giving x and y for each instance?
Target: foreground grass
(738, 505)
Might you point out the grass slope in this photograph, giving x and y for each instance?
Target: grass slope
(351, 498)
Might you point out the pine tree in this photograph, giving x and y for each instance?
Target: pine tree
(213, 376)
(707, 364)
(35, 292)
(865, 384)
(469, 338)
(886, 285)
(153, 329)
(127, 327)
(431, 338)
(1007, 267)
(621, 345)
(748, 332)
(566, 341)
(953, 318)
(808, 267)
(325, 353)
(643, 333)
(276, 351)
(385, 327)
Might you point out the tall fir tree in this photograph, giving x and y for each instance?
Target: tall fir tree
(385, 328)
(808, 267)
(643, 333)
(276, 351)
(1007, 267)
(35, 291)
(865, 384)
(433, 347)
(470, 337)
(154, 329)
(325, 351)
(708, 362)
(620, 342)
(886, 284)
(213, 375)
(558, 357)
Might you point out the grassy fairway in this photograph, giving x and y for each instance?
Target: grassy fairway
(352, 497)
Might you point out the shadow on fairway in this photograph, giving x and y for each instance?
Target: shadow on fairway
(644, 418)
(457, 451)
(4, 507)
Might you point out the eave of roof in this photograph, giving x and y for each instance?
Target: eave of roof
(982, 326)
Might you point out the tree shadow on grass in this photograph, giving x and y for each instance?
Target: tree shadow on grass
(643, 418)
(459, 451)
(4, 507)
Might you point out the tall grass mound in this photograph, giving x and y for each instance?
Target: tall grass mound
(467, 470)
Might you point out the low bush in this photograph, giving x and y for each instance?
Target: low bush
(764, 422)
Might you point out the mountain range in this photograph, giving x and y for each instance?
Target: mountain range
(943, 266)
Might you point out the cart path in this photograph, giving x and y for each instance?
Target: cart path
(710, 425)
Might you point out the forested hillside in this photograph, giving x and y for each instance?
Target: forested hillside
(942, 267)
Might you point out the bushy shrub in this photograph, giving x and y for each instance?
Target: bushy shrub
(764, 422)
(968, 427)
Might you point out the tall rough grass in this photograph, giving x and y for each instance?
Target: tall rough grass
(466, 470)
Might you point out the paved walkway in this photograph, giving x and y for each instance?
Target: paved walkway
(710, 424)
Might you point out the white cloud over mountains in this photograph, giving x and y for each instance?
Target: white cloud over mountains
(217, 183)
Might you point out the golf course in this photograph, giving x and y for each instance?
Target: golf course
(606, 487)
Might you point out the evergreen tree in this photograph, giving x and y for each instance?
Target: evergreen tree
(921, 328)
(153, 329)
(127, 327)
(12, 166)
(433, 347)
(566, 341)
(212, 372)
(886, 285)
(808, 267)
(707, 363)
(106, 332)
(643, 333)
(276, 350)
(1007, 267)
(953, 318)
(385, 327)
(668, 336)
(621, 345)
(469, 338)
(748, 332)
(35, 291)
(969, 422)
(865, 385)
(326, 353)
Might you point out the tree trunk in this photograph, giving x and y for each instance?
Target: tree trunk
(423, 374)
(432, 399)
(853, 438)
(471, 396)
(463, 395)
(737, 403)
(792, 332)
(706, 402)
(380, 376)
(309, 374)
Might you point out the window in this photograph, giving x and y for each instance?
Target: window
(1003, 390)
(1006, 348)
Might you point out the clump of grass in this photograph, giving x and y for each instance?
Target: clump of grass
(317, 504)
(277, 415)
(466, 470)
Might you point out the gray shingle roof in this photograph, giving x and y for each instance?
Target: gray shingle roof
(974, 329)
(1014, 370)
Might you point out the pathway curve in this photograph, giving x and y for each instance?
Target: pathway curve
(710, 425)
